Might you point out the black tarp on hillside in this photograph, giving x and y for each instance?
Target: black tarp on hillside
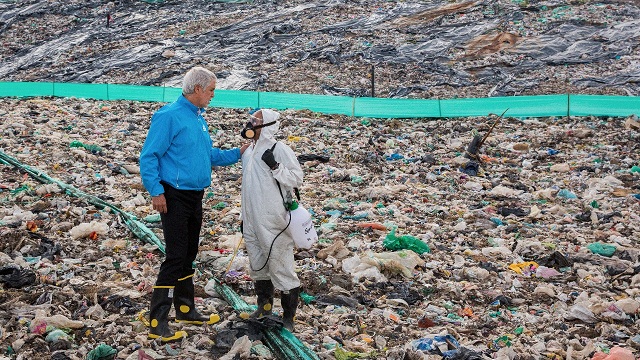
(420, 49)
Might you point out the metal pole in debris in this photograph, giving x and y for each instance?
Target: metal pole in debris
(491, 129)
(567, 91)
(373, 80)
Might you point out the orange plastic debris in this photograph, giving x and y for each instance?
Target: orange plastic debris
(375, 226)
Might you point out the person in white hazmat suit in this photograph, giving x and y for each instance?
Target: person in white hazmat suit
(270, 172)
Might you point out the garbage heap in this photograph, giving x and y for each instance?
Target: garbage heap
(530, 253)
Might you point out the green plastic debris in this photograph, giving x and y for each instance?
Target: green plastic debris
(393, 242)
(57, 335)
(262, 351)
(428, 291)
(594, 204)
(306, 298)
(602, 249)
(360, 216)
(153, 218)
(519, 330)
(92, 148)
(549, 245)
(342, 354)
(382, 210)
(21, 189)
(635, 169)
(102, 352)
(502, 341)
(337, 204)
(219, 206)
(171, 351)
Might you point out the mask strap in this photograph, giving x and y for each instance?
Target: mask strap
(264, 125)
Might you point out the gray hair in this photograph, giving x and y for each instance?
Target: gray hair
(197, 76)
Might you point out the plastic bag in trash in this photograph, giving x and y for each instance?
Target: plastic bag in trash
(393, 242)
(471, 168)
(102, 352)
(602, 249)
(16, 277)
(445, 345)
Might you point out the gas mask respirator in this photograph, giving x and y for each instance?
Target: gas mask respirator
(249, 131)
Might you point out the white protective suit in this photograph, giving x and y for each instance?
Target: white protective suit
(263, 211)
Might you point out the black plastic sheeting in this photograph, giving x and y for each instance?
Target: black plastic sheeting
(72, 42)
(16, 277)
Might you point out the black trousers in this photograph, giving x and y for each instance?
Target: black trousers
(181, 226)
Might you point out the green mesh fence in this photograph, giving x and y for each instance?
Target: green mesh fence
(396, 108)
(234, 99)
(519, 106)
(319, 103)
(135, 92)
(25, 89)
(600, 105)
(85, 91)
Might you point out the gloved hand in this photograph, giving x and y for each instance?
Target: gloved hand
(268, 158)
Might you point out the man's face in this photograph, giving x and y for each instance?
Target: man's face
(203, 96)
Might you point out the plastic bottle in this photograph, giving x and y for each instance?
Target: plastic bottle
(301, 228)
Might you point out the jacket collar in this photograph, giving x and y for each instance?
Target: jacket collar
(186, 103)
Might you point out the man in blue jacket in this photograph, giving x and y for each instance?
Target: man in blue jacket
(175, 166)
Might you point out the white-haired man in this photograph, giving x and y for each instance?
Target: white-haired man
(175, 166)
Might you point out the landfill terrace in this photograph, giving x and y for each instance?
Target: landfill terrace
(532, 255)
(422, 49)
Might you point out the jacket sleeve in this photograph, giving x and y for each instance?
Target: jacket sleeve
(224, 157)
(155, 146)
(289, 173)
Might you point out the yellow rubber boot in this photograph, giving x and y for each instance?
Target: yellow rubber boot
(186, 311)
(158, 315)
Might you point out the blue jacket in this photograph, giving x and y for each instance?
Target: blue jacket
(179, 151)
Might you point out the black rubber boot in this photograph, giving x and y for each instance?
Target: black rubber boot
(186, 311)
(289, 307)
(158, 315)
(264, 291)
